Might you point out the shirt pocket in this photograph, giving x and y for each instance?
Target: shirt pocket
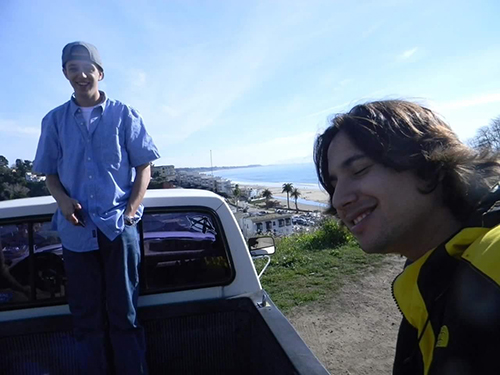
(113, 148)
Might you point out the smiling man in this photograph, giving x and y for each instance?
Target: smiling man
(96, 154)
(402, 182)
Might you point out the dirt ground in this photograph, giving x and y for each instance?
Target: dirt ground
(356, 332)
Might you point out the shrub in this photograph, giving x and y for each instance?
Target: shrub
(333, 234)
(329, 235)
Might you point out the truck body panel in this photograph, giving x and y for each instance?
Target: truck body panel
(215, 320)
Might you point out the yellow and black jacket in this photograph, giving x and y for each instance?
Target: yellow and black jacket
(450, 301)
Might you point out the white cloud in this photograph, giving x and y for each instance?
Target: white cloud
(345, 82)
(372, 29)
(407, 54)
(268, 151)
(469, 102)
(462, 115)
(170, 111)
(343, 106)
(202, 85)
(202, 82)
(10, 126)
(140, 77)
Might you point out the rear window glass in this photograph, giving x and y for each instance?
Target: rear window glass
(181, 250)
(31, 264)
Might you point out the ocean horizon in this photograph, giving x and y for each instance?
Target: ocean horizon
(302, 176)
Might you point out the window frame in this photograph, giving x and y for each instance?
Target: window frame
(144, 291)
(33, 302)
(218, 226)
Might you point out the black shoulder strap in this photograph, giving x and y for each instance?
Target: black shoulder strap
(491, 218)
(487, 212)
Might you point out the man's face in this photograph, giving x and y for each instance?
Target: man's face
(381, 207)
(84, 76)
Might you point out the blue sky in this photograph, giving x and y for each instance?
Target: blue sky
(252, 81)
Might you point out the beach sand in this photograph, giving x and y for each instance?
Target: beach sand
(314, 195)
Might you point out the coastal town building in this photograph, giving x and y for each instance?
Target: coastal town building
(250, 193)
(166, 172)
(276, 224)
(224, 186)
(197, 180)
(33, 177)
(203, 181)
(186, 179)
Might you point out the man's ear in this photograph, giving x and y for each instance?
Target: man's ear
(441, 176)
(101, 75)
(431, 183)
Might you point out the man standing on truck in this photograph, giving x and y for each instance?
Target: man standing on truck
(402, 182)
(96, 155)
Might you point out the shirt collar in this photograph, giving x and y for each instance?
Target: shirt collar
(75, 107)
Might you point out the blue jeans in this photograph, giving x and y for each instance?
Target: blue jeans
(103, 288)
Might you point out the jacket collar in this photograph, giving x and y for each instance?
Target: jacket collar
(408, 284)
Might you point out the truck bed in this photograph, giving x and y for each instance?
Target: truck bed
(210, 337)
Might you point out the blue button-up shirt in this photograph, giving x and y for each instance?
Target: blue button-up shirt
(95, 166)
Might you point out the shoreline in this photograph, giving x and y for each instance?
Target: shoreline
(319, 197)
(276, 185)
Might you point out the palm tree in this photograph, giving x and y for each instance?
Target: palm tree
(237, 195)
(267, 194)
(287, 188)
(296, 194)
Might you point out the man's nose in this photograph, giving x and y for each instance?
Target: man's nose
(343, 195)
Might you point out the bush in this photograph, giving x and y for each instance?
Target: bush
(272, 204)
(329, 235)
(332, 234)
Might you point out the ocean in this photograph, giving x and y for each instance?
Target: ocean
(301, 175)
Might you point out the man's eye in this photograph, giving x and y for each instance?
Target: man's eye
(361, 171)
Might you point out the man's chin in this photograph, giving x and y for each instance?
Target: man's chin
(371, 248)
(84, 91)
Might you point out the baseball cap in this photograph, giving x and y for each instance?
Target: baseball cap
(88, 53)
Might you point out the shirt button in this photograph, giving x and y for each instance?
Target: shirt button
(82, 123)
(91, 196)
(88, 159)
(93, 214)
(90, 177)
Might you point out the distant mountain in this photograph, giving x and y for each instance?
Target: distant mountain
(299, 160)
(208, 169)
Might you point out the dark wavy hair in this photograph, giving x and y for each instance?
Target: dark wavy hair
(406, 136)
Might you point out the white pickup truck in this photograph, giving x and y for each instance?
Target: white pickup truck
(202, 305)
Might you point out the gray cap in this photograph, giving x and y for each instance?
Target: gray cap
(70, 52)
